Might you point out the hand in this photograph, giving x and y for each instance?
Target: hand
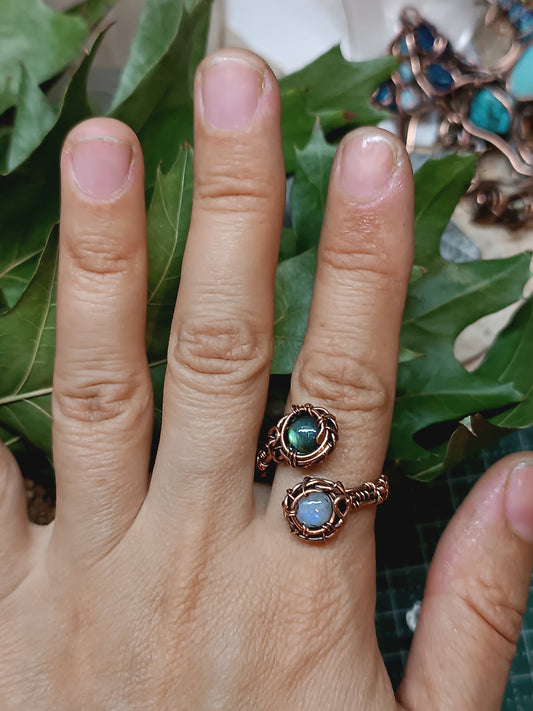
(181, 591)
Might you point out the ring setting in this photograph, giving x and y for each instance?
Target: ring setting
(315, 509)
(303, 437)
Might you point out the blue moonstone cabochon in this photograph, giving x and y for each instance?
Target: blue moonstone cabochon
(521, 77)
(439, 77)
(314, 510)
(302, 432)
(488, 112)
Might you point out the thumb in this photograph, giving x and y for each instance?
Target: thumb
(476, 594)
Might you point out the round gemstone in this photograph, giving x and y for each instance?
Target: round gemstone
(439, 77)
(302, 432)
(488, 112)
(314, 510)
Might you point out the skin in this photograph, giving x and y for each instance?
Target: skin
(182, 590)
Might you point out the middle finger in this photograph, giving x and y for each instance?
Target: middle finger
(221, 340)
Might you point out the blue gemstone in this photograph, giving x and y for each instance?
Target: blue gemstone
(302, 432)
(406, 72)
(314, 510)
(515, 12)
(525, 25)
(384, 95)
(404, 49)
(521, 77)
(488, 112)
(425, 38)
(439, 77)
(409, 99)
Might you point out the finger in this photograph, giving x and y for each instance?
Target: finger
(348, 360)
(221, 340)
(15, 529)
(102, 393)
(475, 597)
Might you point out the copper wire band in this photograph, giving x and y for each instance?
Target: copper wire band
(342, 502)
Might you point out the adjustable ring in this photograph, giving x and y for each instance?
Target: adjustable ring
(302, 438)
(315, 509)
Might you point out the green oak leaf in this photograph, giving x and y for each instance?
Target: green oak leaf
(296, 124)
(27, 346)
(509, 360)
(35, 184)
(155, 93)
(439, 187)
(292, 297)
(334, 90)
(45, 40)
(309, 190)
(33, 119)
(435, 387)
(167, 225)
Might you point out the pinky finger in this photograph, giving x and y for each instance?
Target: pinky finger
(15, 528)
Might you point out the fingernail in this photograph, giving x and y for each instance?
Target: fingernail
(519, 500)
(367, 162)
(101, 165)
(230, 90)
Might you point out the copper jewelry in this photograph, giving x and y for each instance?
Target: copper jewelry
(300, 439)
(487, 110)
(315, 509)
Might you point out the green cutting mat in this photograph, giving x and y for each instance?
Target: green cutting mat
(407, 530)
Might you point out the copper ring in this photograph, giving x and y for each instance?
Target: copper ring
(323, 430)
(327, 504)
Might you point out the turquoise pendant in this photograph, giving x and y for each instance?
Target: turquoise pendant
(521, 77)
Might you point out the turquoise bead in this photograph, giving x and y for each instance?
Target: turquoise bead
(521, 77)
(302, 432)
(314, 510)
(488, 112)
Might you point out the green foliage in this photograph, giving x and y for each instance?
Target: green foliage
(442, 412)
(45, 40)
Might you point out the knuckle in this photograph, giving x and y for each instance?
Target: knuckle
(234, 191)
(99, 257)
(345, 382)
(86, 399)
(496, 608)
(234, 352)
(362, 251)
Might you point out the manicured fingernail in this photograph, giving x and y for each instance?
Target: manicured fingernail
(519, 500)
(101, 165)
(230, 90)
(367, 162)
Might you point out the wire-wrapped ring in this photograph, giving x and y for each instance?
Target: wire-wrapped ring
(315, 509)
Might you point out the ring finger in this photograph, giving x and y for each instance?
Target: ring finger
(349, 356)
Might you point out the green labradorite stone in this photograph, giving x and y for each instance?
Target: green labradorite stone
(301, 433)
